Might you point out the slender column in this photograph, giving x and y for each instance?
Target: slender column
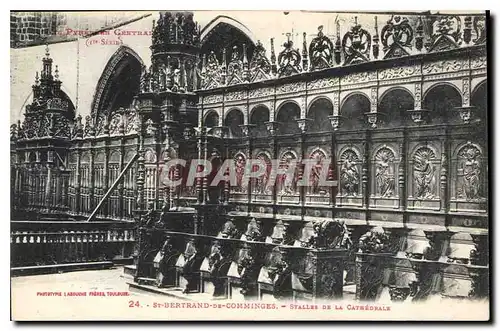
(78, 179)
(402, 171)
(141, 168)
(444, 184)
(121, 190)
(104, 209)
(92, 178)
(365, 169)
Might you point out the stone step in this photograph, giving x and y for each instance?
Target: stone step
(147, 286)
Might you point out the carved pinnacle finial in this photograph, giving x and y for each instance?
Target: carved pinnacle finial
(36, 78)
(47, 54)
(355, 20)
(56, 73)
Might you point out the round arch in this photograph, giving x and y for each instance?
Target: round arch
(439, 85)
(353, 109)
(288, 113)
(394, 104)
(442, 99)
(211, 119)
(259, 115)
(318, 111)
(479, 99)
(125, 65)
(233, 119)
(392, 90)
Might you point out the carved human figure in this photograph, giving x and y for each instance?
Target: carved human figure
(240, 170)
(349, 174)
(235, 65)
(471, 172)
(384, 176)
(261, 182)
(287, 187)
(316, 170)
(144, 81)
(424, 173)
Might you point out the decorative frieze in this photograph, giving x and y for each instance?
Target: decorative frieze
(445, 66)
(399, 72)
(212, 99)
(291, 88)
(232, 96)
(478, 62)
(323, 83)
(263, 92)
(359, 77)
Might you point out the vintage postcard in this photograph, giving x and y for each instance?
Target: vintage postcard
(249, 165)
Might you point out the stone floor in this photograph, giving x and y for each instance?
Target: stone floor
(91, 280)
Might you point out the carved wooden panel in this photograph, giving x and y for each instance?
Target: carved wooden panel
(424, 168)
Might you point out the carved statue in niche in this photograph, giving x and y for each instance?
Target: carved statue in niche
(144, 81)
(424, 173)
(88, 125)
(261, 182)
(150, 129)
(287, 187)
(384, 173)
(239, 163)
(176, 79)
(235, 66)
(212, 75)
(114, 125)
(13, 132)
(319, 158)
(471, 170)
(349, 173)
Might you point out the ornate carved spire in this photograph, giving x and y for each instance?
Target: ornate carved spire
(246, 75)
(356, 44)
(320, 51)
(304, 53)
(56, 76)
(273, 58)
(289, 59)
(376, 38)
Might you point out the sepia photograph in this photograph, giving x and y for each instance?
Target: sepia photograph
(249, 165)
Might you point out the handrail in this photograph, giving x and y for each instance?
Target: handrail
(108, 193)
